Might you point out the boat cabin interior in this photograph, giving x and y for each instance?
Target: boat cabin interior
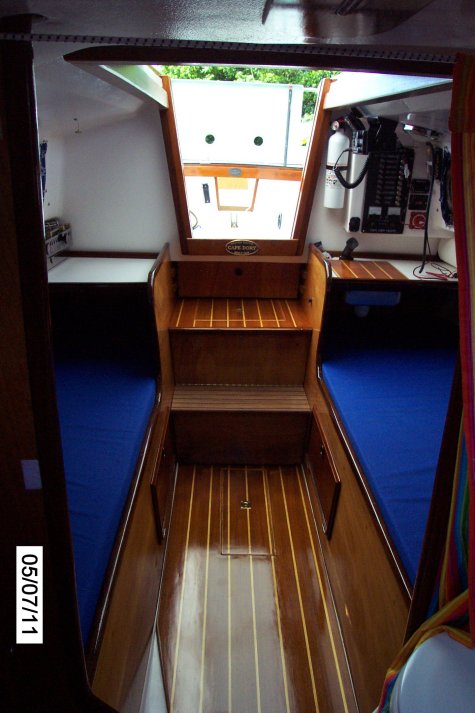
(231, 388)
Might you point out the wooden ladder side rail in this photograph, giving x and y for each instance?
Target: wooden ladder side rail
(162, 291)
(313, 300)
(163, 297)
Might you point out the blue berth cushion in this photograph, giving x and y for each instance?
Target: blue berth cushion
(393, 402)
(104, 408)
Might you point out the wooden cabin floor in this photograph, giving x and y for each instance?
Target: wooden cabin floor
(223, 313)
(246, 622)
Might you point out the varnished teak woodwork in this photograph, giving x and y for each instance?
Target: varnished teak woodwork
(131, 603)
(366, 270)
(325, 474)
(163, 295)
(133, 599)
(248, 633)
(239, 341)
(360, 477)
(370, 598)
(161, 483)
(239, 357)
(313, 300)
(242, 313)
(240, 398)
(238, 279)
(273, 173)
(240, 437)
(246, 514)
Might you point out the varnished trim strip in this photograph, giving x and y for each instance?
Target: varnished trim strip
(276, 594)
(205, 598)
(380, 266)
(392, 272)
(350, 270)
(299, 593)
(243, 313)
(195, 313)
(322, 591)
(275, 313)
(368, 271)
(259, 313)
(179, 313)
(182, 596)
(291, 313)
(230, 653)
(273, 173)
(253, 600)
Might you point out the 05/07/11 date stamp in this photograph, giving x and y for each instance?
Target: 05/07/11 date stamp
(29, 595)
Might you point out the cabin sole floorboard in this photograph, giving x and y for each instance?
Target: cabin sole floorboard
(246, 622)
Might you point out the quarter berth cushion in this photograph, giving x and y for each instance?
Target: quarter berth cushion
(106, 387)
(390, 382)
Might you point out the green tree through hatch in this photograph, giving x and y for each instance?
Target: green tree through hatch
(306, 77)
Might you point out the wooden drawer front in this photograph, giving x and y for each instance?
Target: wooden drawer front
(325, 475)
(162, 483)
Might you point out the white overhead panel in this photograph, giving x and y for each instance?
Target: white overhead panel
(354, 88)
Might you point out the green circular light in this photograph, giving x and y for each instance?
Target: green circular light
(209, 138)
(258, 140)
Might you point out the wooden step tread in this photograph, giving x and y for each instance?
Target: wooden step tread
(240, 398)
(259, 314)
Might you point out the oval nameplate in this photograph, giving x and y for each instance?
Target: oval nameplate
(235, 172)
(242, 247)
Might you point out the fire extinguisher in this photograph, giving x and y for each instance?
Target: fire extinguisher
(337, 149)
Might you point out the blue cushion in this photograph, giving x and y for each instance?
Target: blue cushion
(393, 404)
(104, 409)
